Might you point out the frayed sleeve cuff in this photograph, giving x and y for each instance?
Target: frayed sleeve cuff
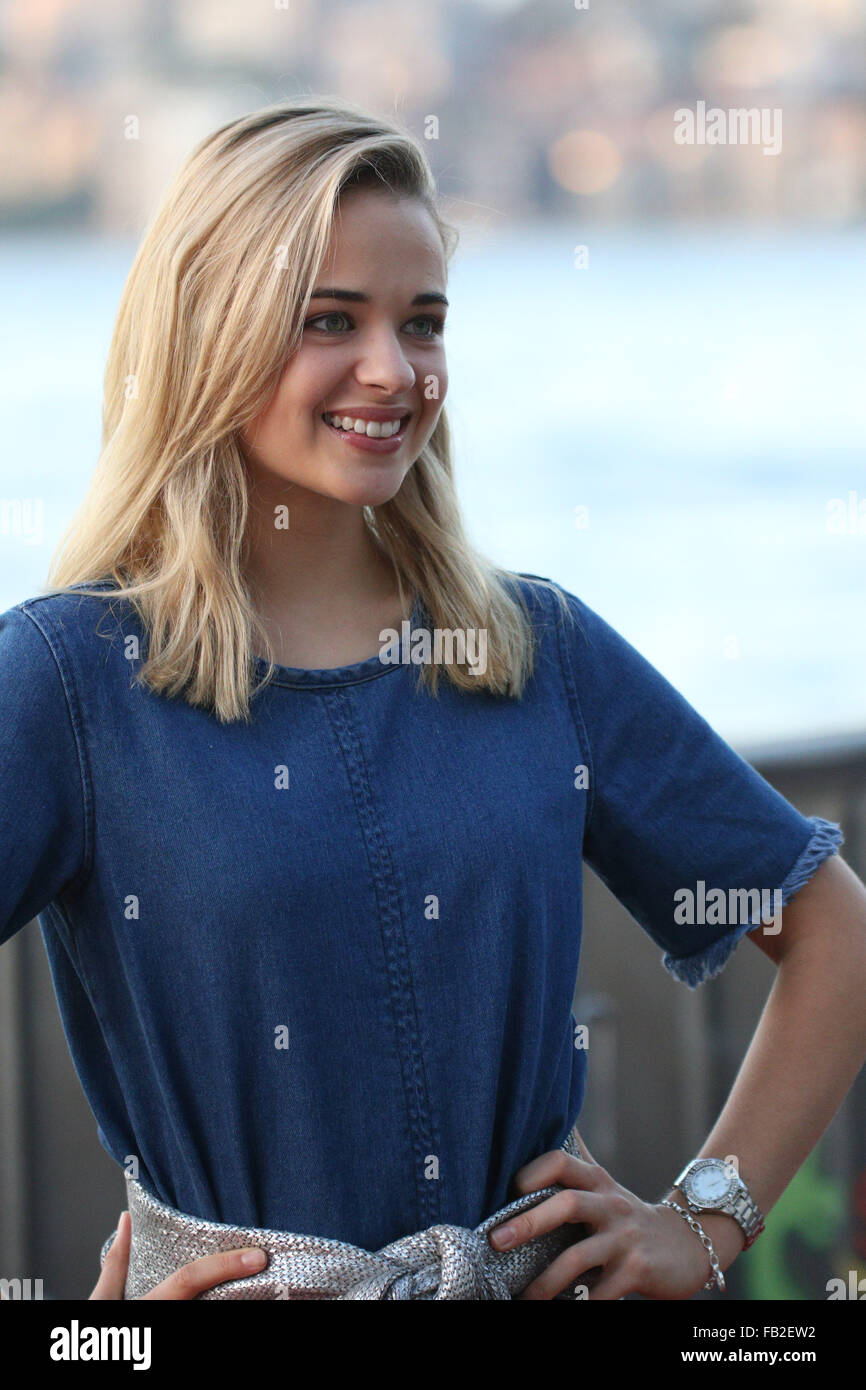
(693, 970)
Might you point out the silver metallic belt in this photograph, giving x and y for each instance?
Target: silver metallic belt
(440, 1262)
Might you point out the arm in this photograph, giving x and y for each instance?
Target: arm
(805, 1053)
(808, 1047)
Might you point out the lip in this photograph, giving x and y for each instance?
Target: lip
(372, 412)
(364, 442)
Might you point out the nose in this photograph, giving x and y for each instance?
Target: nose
(383, 363)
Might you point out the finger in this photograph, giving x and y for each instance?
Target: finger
(615, 1284)
(558, 1167)
(583, 1151)
(578, 1263)
(112, 1279)
(570, 1205)
(209, 1271)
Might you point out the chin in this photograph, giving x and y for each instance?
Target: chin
(366, 496)
(369, 487)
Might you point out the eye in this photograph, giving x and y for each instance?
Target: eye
(333, 314)
(435, 322)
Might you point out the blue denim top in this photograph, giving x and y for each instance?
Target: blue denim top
(316, 972)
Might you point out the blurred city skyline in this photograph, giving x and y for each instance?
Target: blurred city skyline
(535, 109)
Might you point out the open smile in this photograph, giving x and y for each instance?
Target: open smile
(371, 436)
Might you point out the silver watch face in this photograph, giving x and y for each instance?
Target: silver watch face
(711, 1184)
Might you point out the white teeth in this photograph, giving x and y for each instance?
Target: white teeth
(374, 429)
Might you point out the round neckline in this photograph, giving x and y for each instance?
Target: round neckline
(370, 668)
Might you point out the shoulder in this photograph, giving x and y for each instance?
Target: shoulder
(60, 648)
(551, 604)
(603, 670)
(68, 623)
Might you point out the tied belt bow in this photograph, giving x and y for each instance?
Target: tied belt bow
(441, 1262)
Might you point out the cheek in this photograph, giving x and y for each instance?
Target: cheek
(431, 375)
(288, 412)
(316, 375)
(268, 429)
(439, 372)
(434, 406)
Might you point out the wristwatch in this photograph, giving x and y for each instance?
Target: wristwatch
(710, 1184)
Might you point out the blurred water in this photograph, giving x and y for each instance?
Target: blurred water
(700, 395)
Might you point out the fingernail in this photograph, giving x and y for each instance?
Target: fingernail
(254, 1259)
(504, 1236)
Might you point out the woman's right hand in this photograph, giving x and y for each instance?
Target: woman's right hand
(190, 1280)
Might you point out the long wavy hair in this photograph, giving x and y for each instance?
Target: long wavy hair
(213, 307)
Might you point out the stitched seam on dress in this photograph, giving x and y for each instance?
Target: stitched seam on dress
(393, 938)
(72, 707)
(570, 682)
(325, 686)
(404, 1007)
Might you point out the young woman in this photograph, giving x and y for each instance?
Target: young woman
(314, 920)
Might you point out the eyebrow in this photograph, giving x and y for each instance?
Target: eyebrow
(356, 297)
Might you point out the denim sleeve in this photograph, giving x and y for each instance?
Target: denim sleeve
(689, 837)
(42, 804)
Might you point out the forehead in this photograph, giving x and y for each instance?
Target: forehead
(385, 236)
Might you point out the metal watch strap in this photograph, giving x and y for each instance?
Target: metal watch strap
(747, 1214)
(742, 1207)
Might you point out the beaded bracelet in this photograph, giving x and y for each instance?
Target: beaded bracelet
(717, 1279)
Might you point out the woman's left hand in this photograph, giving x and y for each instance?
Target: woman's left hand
(634, 1247)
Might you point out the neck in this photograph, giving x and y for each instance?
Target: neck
(311, 555)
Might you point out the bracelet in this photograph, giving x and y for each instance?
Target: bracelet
(717, 1278)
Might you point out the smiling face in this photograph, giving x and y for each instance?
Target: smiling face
(372, 340)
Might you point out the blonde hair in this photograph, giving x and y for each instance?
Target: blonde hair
(213, 306)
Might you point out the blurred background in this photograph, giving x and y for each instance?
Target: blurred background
(656, 354)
